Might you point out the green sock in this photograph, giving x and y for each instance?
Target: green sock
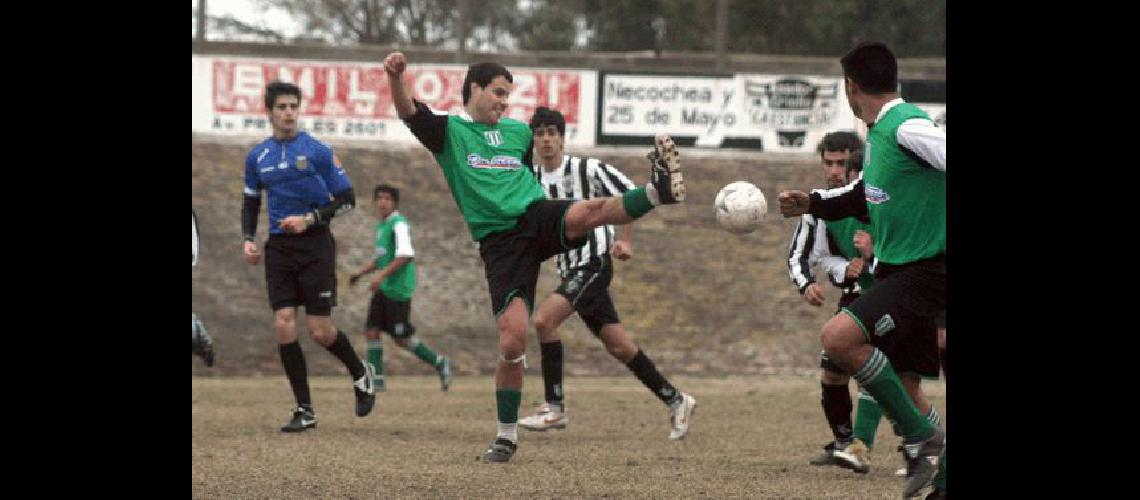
(422, 351)
(867, 415)
(636, 202)
(376, 356)
(878, 378)
(508, 401)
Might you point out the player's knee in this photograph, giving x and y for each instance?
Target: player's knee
(618, 344)
(545, 324)
(285, 322)
(512, 344)
(835, 337)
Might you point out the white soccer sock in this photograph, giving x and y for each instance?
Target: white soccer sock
(651, 193)
(510, 432)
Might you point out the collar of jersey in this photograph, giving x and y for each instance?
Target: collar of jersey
(887, 107)
(393, 214)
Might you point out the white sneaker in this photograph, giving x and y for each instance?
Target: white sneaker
(679, 418)
(854, 457)
(545, 418)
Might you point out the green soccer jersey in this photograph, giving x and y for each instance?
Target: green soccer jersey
(394, 239)
(486, 166)
(843, 233)
(906, 200)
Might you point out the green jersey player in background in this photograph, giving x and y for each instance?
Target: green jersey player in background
(486, 160)
(392, 288)
(903, 191)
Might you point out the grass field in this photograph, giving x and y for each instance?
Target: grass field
(750, 437)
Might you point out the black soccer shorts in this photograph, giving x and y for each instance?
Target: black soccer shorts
(897, 315)
(300, 269)
(512, 258)
(392, 316)
(587, 288)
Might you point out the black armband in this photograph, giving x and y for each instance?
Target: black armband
(249, 211)
(342, 202)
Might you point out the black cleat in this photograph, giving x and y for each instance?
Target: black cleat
(922, 462)
(665, 170)
(201, 344)
(302, 419)
(501, 451)
(365, 390)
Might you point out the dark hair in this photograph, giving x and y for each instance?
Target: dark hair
(544, 116)
(482, 74)
(873, 67)
(278, 87)
(386, 188)
(855, 162)
(840, 141)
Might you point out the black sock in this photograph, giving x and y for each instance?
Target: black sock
(837, 409)
(552, 370)
(647, 373)
(342, 349)
(294, 362)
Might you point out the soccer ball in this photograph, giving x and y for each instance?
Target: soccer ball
(740, 207)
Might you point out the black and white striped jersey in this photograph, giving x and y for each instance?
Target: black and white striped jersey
(194, 234)
(812, 244)
(581, 179)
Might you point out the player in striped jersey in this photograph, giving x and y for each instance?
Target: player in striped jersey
(200, 341)
(903, 192)
(586, 273)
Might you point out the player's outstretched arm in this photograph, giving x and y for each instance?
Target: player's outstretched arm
(395, 64)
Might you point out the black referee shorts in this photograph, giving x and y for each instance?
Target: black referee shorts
(300, 269)
(587, 288)
(898, 314)
(512, 258)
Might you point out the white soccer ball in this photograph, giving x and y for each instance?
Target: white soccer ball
(740, 207)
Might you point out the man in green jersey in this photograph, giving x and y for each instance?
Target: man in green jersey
(392, 288)
(843, 248)
(487, 160)
(903, 191)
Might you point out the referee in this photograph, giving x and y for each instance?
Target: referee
(306, 187)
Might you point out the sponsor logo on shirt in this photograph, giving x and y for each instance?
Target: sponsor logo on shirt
(875, 194)
(493, 137)
(498, 162)
(302, 163)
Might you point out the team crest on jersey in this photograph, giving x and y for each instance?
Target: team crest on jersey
(875, 194)
(494, 138)
(302, 163)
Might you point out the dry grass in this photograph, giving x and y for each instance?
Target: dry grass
(750, 437)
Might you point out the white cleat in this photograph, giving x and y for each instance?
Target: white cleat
(679, 417)
(545, 418)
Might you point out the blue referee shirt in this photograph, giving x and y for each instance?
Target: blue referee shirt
(299, 176)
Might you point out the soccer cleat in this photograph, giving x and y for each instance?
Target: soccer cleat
(501, 451)
(444, 370)
(665, 170)
(202, 344)
(828, 456)
(922, 462)
(679, 417)
(545, 418)
(302, 419)
(854, 457)
(365, 390)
